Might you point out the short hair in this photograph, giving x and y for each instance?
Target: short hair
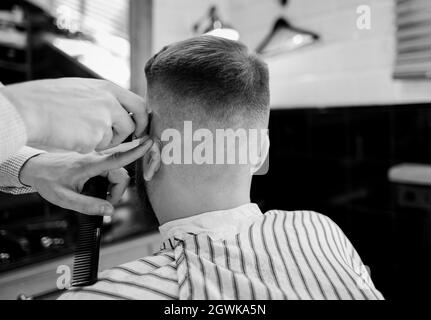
(220, 75)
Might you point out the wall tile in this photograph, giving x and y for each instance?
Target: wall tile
(347, 67)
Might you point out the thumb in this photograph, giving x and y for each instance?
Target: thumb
(121, 159)
(84, 204)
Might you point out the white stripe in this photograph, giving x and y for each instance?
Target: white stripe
(226, 276)
(269, 252)
(341, 268)
(330, 226)
(280, 262)
(283, 234)
(131, 289)
(314, 259)
(292, 232)
(213, 289)
(247, 291)
(183, 274)
(319, 259)
(243, 283)
(259, 289)
(324, 255)
(194, 268)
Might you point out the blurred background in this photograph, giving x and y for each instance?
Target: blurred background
(350, 122)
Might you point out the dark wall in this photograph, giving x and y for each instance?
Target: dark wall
(336, 161)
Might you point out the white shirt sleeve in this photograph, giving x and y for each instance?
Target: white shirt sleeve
(13, 154)
(13, 135)
(10, 171)
(353, 260)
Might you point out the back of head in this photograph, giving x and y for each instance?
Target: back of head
(211, 84)
(210, 80)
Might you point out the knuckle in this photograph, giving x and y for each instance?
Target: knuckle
(65, 201)
(102, 83)
(60, 198)
(107, 84)
(83, 209)
(104, 114)
(99, 132)
(107, 99)
(97, 135)
(125, 175)
(129, 127)
(115, 157)
(96, 156)
(127, 180)
(84, 149)
(82, 164)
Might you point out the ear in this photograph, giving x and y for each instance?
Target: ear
(152, 160)
(263, 153)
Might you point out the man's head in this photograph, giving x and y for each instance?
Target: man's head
(208, 85)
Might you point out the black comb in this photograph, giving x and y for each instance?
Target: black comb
(86, 260)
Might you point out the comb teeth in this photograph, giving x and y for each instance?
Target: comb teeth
(86, 261)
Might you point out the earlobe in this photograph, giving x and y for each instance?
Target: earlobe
(263, 154)
(152, 161)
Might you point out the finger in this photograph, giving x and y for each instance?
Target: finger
(84, 204)
(154, 162)
(123, 126)
(122, 147)
(120, 159)
(119, 180)
(133, 104)
(106, 140)
(141, 123)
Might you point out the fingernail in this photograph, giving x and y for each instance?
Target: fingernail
(146, 142)
(159, 144)
(150, 159)
(147, 176)
(106, 209)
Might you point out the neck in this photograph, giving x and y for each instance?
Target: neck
(175, 201)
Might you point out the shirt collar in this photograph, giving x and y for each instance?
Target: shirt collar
(220, 224)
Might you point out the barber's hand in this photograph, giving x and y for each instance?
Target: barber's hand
(59, 178)
(77, 114)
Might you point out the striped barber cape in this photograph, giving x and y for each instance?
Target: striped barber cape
(242, 254)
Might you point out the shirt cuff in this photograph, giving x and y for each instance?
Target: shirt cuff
(11, 168)
(12, 129)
